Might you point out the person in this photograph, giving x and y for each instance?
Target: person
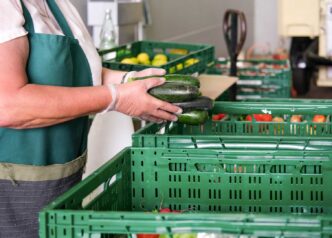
(51, 79)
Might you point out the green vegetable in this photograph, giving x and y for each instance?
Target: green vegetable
(196, 117)
(177, 78)
(201, 103)
(175, 92)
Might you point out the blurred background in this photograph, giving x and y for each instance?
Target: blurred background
(194, 20)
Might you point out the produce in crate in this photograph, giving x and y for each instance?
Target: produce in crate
(132, 60)
(260, 117)
(190, 61)
(296, 118)
(147, 235)
(278, 119)
(143, 58)
(218, 117)
(158, 63)
(160, 57)
(319, 118)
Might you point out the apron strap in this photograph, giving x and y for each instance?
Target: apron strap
(60, 18)
(28, 24)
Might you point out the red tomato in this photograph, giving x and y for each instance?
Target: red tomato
(218, 117)
(260, 117)
(265, 117)
(248, 118)
(215, 117)
(319, 118)
(147, 235)
(165, 210)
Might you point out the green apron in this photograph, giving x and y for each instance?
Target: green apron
(37, 165)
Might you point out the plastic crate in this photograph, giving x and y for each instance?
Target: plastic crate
(245, 92)
(258, 79)
(258, 64)
(176, 64)
(270, 194)
(214, 134)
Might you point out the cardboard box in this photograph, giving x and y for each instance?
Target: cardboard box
(213, 86)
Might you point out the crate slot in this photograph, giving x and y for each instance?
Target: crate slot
(177, 167)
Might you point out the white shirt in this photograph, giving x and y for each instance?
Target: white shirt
(12, 21)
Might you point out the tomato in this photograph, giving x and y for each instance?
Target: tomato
(319, 119)
(248, 118)
(218, 117)
(260, 117)
(147, 235)
(265, 117)
(165, 210)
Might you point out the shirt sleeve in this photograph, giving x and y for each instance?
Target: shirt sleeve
(11, 20)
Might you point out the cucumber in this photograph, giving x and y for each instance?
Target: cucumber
(175, 92)
(201, 103)
(178, 78)
(194, 118)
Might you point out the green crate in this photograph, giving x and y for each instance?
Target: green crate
(281, 107)
(262, 92)
(257, 82)
(253, 64)
(176, 63)
(261, 194)
(214, 133)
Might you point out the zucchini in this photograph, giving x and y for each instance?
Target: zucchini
(201, 103)
(177, 78)
(195, 117)
(175, 92)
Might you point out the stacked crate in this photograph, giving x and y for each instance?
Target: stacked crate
(258, 79)
(232, 176)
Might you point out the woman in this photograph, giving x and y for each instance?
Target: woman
(47, 68)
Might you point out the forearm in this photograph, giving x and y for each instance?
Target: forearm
(38, 106)
(112, 76)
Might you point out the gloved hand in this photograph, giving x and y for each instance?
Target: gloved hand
(133, 99)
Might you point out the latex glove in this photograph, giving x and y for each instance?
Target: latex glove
(133, 99)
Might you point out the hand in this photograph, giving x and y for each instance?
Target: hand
(134, 100)
(149, 72)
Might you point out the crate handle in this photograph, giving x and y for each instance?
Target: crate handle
(292, 108)
(76, 195)
(111, 181)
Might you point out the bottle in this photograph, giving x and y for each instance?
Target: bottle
(107, 34)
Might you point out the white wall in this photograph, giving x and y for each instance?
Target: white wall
(196, 21)
(266, 23)
(81, 7)
(201, 21)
